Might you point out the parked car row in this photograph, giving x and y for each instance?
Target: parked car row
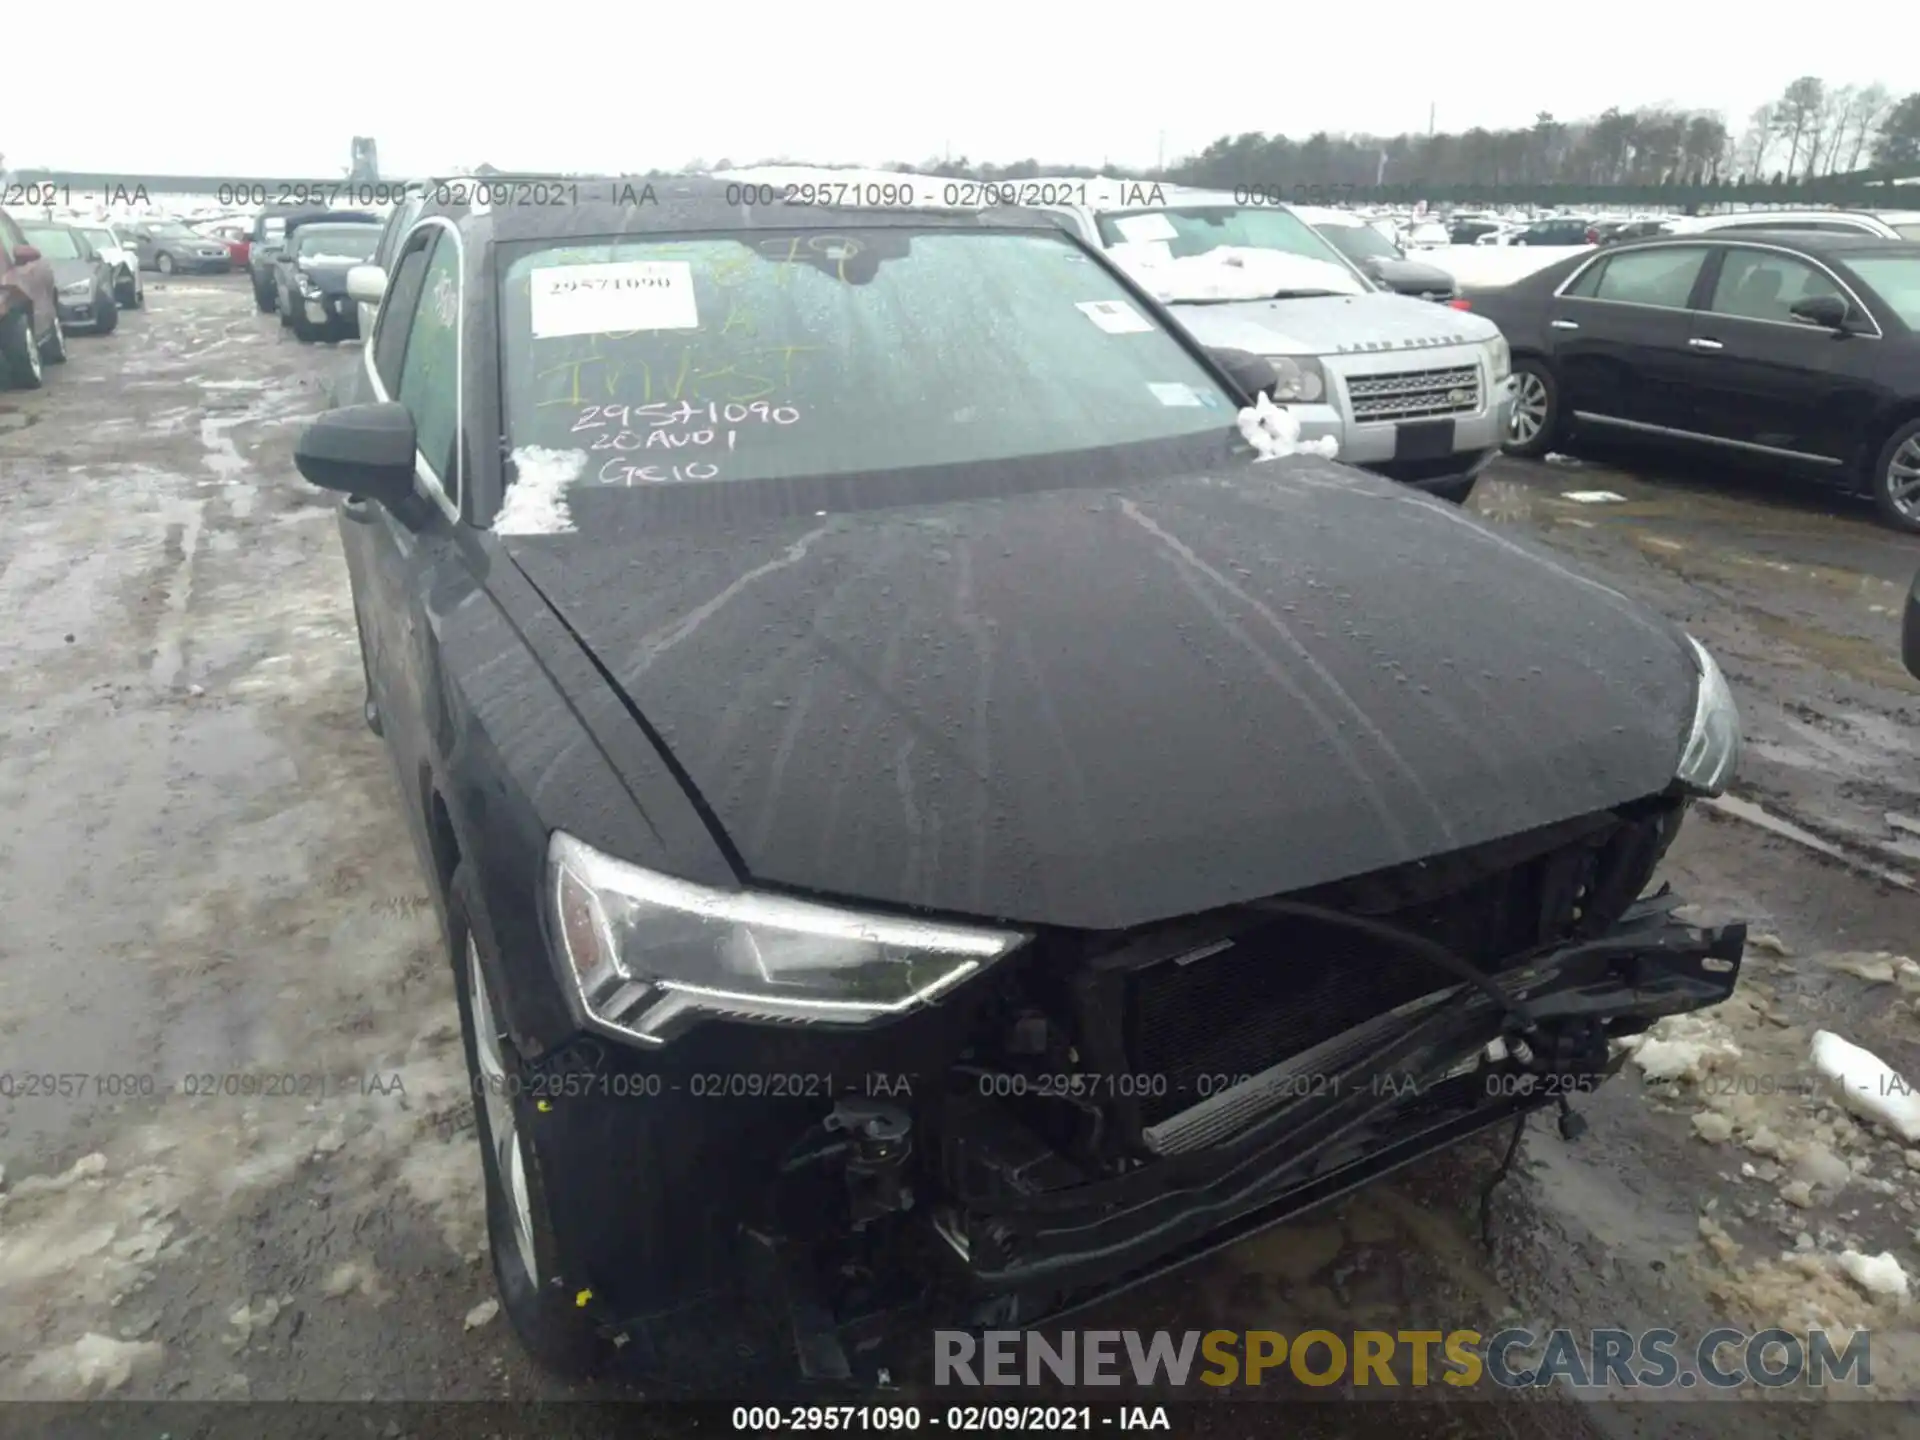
(52, 281)
(1254, 809)
(1799, 346)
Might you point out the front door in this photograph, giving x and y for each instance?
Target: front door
(1619, 333)
(1757, 377)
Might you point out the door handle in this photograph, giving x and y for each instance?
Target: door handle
(357, 508)
(1699, 342)
(1564, 324)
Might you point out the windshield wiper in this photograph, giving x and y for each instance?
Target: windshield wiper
(1249, 299)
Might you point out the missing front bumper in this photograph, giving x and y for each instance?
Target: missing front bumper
(1377, 1100)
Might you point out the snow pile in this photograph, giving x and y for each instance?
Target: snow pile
(537, 499)
(1867, 1085)
(94, 1363)
(1681, 1047)
(1275, 432)
(1876, 1274)
(1232, 272)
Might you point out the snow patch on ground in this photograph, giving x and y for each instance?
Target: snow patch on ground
(1683, 1047)
(1876, 1274)
(1275, 432)
(537, 500)
(1867, 1085)
(93, 1364)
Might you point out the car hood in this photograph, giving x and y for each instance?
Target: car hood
(329, 274)
(1332, 325)
(1409, 273)
(1098, 707)
(65, 272)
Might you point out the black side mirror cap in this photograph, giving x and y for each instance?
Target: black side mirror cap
(1252, 373)
(364, 450)
(1827, 311)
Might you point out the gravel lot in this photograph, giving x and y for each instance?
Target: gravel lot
(203, 873)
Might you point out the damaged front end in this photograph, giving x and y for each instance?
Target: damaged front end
(1096, 1107)
(1119, 1105)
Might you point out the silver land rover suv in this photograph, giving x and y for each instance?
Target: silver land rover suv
(1411, 390)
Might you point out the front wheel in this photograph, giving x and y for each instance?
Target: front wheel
(543, 1305)
(20, 363)
(106, 316)
(126, 291)
(1896, 479)
(54, 352)
(1534, 426)
(164, 263)
(263, 298)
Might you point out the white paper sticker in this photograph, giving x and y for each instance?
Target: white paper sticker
(1153, 252)
(1142, 228)
(1116, 317)
(612, 299)
(1173, 394)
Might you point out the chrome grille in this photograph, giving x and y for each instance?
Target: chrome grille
(1415, 394)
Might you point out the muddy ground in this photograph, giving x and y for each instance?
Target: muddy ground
(203, 873)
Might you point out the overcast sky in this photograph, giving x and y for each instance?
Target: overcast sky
(591, 85)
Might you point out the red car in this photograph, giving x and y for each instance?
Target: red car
(237, 238)
(30, 333)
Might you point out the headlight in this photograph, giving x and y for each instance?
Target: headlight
(1713, 746)
(1301, 379)
(77, 288)
(644, 955)
(1499, 358)
(305, 282)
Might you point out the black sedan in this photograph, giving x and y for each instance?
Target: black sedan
(930, 821)
(83, 279)
(310, 279)
(1788, 347)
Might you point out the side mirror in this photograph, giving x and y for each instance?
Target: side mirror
(366, 283)
(364, 450)
(1252, 373)
(25, 254)
(1829, 312)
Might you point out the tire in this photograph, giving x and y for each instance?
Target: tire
(20, 362)
(163, 262)
(302, 331)
(1536, 429)
(263, 297)
(126, 291)
(107, 316)
(54, 352)
(559, 1335)
(1896, 478)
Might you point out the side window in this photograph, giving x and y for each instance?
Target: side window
(430, 366)
(1585, 282)
(1764, 284)
(10, 238)
(396, 314)
(1652, 277)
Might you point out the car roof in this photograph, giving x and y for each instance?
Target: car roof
(1822, 244)
(648, 205)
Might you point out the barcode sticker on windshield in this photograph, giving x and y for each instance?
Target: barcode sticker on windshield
(1141, 229)
(612, 299)
(1116, 317)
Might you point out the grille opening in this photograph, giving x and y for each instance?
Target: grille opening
(1415, 394)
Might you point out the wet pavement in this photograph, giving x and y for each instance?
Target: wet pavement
(238, 1159)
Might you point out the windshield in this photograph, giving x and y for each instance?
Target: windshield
(1896, 279)
(56, 242)
(349, 242)
(784, 355)
(1907, 229)
(1360, 242)
(174, 230)
(1195, 229)
(101, 239)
